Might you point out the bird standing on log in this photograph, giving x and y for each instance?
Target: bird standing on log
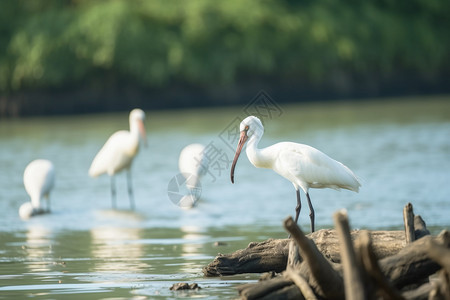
(304, 166)
(118, 153)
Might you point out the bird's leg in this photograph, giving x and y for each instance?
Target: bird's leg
(311, 214)
(113, 192)
(130, 190)
(298, 207)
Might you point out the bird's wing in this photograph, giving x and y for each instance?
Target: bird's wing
(193, 160)
(113, 156)
(309, 167)
(38, 178)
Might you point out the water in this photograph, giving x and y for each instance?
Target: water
(399, 149)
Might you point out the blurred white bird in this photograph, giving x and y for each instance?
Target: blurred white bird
(303, 165)
(193, 164)
(118, 153)
(39, 179)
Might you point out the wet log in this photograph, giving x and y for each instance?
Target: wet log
(272, 254)
(266, 256)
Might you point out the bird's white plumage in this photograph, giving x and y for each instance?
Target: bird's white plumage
(307, 167)
(193, 164)
(120, 149)
(193, 161)
(303, 165)
(118, 153)
(38, 179)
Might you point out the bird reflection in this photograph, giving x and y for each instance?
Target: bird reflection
(38, 248)
(192, 247)
(117, 249)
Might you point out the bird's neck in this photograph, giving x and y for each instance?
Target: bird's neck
(36, 201)
(256, 156)
(134, 131)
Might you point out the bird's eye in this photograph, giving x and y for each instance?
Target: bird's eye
(246, 128)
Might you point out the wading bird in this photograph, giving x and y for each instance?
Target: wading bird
(118, 153)
(38, 179)
(304, 166)
(193, 164)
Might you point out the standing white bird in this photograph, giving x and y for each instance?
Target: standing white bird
(304, 166)
(39, 179)
(193, 164)
(118, 153)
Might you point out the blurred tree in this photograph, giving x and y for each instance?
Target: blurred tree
(53, 44)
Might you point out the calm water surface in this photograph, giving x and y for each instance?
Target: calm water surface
(400, 149)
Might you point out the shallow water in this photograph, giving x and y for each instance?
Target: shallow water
(399, 149)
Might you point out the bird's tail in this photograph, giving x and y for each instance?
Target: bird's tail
(349, 179)
(93, 171)
(354, 183)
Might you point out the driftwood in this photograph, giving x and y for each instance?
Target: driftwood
(354, 282)
(408, 220)
(346, 265)
(272, 254)
(367, 259)
(301, 283)
(319, 272)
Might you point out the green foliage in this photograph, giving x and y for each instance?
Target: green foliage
(202, 42)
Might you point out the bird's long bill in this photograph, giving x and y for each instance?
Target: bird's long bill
(242, 140)
(142, 133)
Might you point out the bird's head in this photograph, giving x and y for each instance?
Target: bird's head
(27, 210)
(250, 126)
(137, 116)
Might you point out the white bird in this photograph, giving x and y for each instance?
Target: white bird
(118, 153)
(304, 166)
(193, 164)
(39, 179)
